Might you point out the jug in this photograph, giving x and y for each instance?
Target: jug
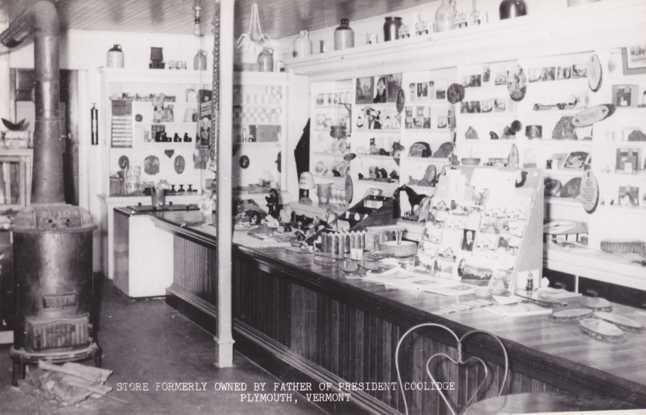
(512, 8)
(158, 196)
(445, 16)
(302, 45)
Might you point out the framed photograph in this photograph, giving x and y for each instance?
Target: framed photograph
(365, 90)
(627, 160)
(468, 238)
(634, 59)
(412, 91)
(625, 95)
(628, 196)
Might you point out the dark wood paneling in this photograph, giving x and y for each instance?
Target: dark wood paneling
(351, 331)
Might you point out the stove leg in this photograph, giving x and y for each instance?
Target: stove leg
(98, 357)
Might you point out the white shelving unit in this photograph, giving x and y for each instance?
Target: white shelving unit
(568, 36)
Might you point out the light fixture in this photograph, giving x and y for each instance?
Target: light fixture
(197, 19)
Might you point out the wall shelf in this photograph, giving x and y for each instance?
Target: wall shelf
(609, 23)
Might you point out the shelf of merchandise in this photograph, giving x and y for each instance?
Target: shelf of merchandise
(570, 30)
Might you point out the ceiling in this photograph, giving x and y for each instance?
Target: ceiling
(279, 18)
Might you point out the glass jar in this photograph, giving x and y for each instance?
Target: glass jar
(199, 61)
(266, 60)
(445, 16)
(343, 36)
(302, 45)
(398, 26)
(115, 57)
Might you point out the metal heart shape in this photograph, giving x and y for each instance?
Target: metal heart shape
(169, 153)
(459, 361)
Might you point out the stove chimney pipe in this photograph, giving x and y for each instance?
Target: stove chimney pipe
(41, 21)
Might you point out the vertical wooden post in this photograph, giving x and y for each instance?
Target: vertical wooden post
(224, 338)
(5, 101)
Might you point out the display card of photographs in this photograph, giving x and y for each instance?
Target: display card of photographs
(556, 72)
(371, 117)
(627, 160)
(483, 106)
(424, 90)
(378, 89)
(628, 196)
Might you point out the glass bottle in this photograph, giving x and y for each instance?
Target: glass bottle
(199, 61)
(266, 60)
(445, 16)
(512, 8)
(398, 25)
(302, 45)
(343, 36)
(115, 57)
(390, 29)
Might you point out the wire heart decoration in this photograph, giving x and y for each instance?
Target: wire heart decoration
(460, 361)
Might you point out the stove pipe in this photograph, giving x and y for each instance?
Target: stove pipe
(41, 21)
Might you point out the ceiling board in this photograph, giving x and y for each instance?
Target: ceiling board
(279, 18)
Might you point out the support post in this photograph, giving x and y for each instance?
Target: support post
(223, 69)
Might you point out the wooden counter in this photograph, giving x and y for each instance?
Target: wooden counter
(308, 322)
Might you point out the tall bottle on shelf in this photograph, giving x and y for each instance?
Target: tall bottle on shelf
(445, 16)
(343, 36)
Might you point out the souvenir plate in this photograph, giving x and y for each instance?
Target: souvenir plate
(591, 115)
(595, 73)
(179, 164)
(601, 330)
(455, 93)
(570, 314)
(151, 165)
(619, 320)
(589, 194)
(596, 303)
(349, 188)
(124, 162)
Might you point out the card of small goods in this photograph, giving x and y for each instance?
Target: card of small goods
(372, 117)
(121, 126)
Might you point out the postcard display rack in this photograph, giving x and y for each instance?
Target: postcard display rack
(156, 127)
(260, 128)
(485, 225)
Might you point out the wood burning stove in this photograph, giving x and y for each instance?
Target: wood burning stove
(52, 240)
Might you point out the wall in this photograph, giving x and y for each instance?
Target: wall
(86, 51)
(374, 25)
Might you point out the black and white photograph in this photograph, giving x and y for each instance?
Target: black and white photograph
(294, 207)
(365, 90)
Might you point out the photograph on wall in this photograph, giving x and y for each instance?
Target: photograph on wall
(634, 59)
(365, 90)
(628, 196)
(627, 160)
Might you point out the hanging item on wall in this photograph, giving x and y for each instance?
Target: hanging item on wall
(455, 93)
(179, 164)
(564, 129)
(589, 194)
(589, 116)
(151, 165)
(124, 162)
(244, 162)
(169, 153)
(595, 73)
(94, 125)
(517, 84)
(121, 127)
